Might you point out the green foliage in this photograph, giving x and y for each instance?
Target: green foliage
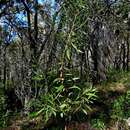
(98, 124)
(63, 102)
(118, 108)
(46, 105)
(127, 105)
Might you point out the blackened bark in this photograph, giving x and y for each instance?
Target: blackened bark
(128, 53)
(36, 20)
(94, 44)
(124, 57)
(5, 69)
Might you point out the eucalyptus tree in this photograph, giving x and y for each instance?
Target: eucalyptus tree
(21, 19)
(92, 28)
(82, 31)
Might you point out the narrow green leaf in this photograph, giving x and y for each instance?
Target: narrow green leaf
(61, 115)
(56, 80)
(68, 54)
(76, 78)
(60, 88)
(63, 106)
(84, 111)
(75, 87)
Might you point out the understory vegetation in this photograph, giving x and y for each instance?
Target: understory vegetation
(64, 65)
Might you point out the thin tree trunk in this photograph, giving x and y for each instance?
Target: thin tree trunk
(128, 52)
(5, 69)
(124, 52)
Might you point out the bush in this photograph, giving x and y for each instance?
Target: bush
(64, 102)
(98, 124)
(127, 104)
(118, 108)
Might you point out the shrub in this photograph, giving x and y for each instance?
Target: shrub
(64, 101)
(98, 124)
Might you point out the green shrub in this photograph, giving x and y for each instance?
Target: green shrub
(98, 124)
(117, 112)
(64, 101)
(127, 104)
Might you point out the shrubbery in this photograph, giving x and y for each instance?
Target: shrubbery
(64, 102)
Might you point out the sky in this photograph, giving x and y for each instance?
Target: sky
(21, 16)
(21, 19)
